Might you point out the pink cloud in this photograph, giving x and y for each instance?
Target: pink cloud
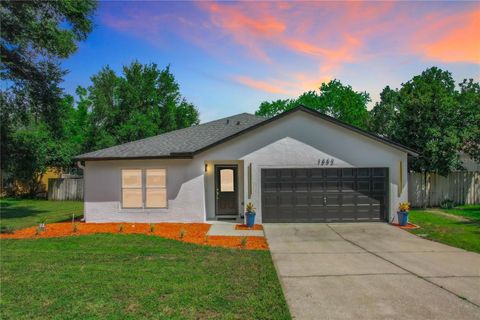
(305, 43)
(296, 84)
(453, 39)
(261, 85)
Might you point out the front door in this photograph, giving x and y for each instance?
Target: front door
(226, 190)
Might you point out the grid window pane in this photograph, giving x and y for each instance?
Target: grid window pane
(156, 178)
(132, 198)
(131, 178)
(156, 198)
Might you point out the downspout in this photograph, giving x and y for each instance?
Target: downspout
(82, 166)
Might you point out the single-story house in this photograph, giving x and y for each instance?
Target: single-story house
(299, 166)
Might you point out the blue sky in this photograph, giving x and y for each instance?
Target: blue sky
(228, 57)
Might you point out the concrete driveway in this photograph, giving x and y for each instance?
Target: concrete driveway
(372, 271)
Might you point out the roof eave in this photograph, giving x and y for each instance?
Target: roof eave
(188, 155)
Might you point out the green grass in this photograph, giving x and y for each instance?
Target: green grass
(451, 231)
(22, 213)
(467, 211)
(135, 276)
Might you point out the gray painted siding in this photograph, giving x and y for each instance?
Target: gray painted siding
(297, 140)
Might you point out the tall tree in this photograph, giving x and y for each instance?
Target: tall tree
(142, 102)
(469, 118)
(334, 99)
(34, 36)
(383, 120)
(427, 121)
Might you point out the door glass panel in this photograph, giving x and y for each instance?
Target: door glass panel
(226, 180)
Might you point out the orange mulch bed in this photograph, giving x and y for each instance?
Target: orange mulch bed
(186, 232)
(244, 227)
(409, 226)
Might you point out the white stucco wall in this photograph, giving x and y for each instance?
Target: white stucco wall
(297, 140)
(185, 191)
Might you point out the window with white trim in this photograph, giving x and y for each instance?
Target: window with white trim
(144, 188)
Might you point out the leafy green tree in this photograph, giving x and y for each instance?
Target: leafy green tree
(334, 99)
(142, 102)
(34, 36)
(384, 113)
(33, 31)
(469, 118)
(426, 121)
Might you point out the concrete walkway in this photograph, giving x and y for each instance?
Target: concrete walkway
(228, 229)
(372, 271)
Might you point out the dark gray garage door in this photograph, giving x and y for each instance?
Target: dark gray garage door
(324, 194)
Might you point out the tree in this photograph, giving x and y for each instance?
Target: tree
(334, 99)
(142, 102)
(36, 30)
(426, 121)
(384, 114)
(469, 118)
(33, 37)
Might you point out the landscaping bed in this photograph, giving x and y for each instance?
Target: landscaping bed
(185, 232)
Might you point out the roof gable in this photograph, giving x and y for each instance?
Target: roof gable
(187, 142)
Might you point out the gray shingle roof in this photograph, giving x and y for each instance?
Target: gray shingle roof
(175, 143)
(184, 143)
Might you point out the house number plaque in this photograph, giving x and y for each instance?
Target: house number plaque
(325, 162)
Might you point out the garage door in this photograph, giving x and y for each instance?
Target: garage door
(324, 194)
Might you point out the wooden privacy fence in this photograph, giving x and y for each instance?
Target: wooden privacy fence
(461, 187)
(65, 189)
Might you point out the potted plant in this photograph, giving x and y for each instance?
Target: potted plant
(402, 213)
(250, 214)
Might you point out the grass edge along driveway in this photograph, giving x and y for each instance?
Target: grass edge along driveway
(458, 227)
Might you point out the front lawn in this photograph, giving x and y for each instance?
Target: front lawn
(23, 213)
(462, 232)
(106, 276)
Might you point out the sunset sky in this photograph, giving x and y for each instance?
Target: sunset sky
(230, 56)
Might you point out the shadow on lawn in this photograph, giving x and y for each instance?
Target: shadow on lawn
(9, 212)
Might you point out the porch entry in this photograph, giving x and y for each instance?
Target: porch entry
(226, 190)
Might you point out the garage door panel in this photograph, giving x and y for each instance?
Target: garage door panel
(302, 187)
(324, 194)
(348, 186)
(317, 186)
(317, 173)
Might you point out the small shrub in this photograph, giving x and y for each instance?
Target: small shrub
(121, 228)
(42, 222)
(7, 229)
(37, 231)
(447, 204)
(182, 233)
(152, 227)
(243, 242)
(75, 227)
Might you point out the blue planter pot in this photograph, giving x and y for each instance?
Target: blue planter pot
(250, 219)
(402, 218)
